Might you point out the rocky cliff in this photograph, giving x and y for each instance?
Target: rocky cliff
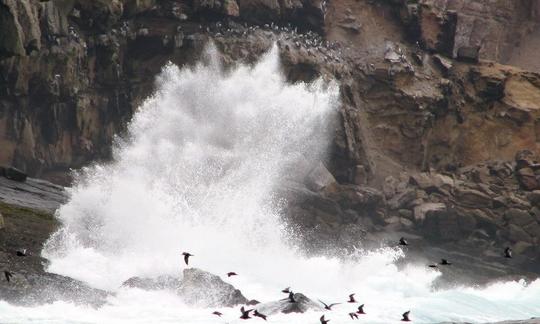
(431, 119)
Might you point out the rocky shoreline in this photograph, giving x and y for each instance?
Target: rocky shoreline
(437, 139)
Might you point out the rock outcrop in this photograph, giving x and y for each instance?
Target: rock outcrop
(196, 287)
(302, 304)
(27, 228)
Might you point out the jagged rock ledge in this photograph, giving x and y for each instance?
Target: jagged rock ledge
(26, 221)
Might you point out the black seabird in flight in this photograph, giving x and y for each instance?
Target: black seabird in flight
(291, 297)
(406, 316)
(8, 275)
(445, 262)
(328, 307)
(245, 313)
(257, 314)
(186, 257)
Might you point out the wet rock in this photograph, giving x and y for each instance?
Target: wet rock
(161, 282)
(472, 198)
(221, 7)
(302, 305)
(319, 178)
(527, 179)
(403, 199)
(29, 288)
(518, 217)
(390, 187)
(534, 197)
(468, 54)
(360, 175)
(357, 197)
(536, 212)
(533, 229)
(421, 211)
(517, 234)
(33, 193)
(499, 202)
(444, 63)
(203, 289)
(15, 174)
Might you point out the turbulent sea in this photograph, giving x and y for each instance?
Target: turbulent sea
(198, 172)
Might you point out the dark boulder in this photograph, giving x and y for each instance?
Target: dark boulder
(468, 54)
(302, 305)
(15, 174)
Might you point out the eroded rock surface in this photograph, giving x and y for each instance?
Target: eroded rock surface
(196, 287)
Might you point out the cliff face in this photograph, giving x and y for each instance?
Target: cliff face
(430, 118)
(71, 72)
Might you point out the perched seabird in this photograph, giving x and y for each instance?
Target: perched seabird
(286, 290)
(328, 307)
(445, 262)
(257, 314)
(291, 297)
(406, 316)
(508, 253)
(186, 257)
(8, 275)
(360, 309)
(324, 321)
(230, 274)
(403, 241)
(353, 315)
(217, 313)
(21, 253)
(245, 313)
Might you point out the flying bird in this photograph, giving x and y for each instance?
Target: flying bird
(217, 313)
(353, 315)
(406, 316)
(508, 253)
(8, 275)
(230, 274)
(21, 253)
(360, 309)
(257, 314)
(286, 290)
(186, 257)
(245, 313)
(324, 321)
(403, 241)
(351, 298)
(291, 297)
(445, 262)
(328, 307)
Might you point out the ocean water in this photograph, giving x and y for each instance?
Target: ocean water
(198, 172)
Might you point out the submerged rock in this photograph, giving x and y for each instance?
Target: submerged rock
(161, 282)
(302, 305)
